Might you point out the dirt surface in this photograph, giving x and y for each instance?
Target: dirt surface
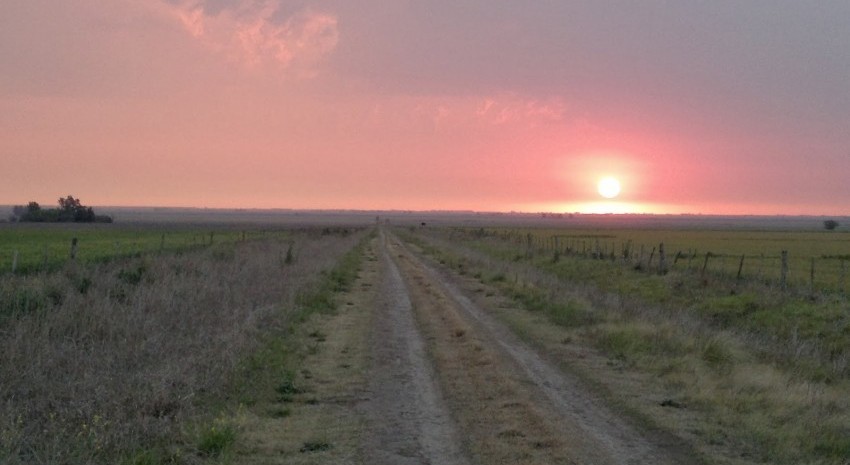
(408, 419)
(414, 370)
(512, 402)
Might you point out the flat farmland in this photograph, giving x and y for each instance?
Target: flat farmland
(425, 344)
(38, 247)
(757, 254)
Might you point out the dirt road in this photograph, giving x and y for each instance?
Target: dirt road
(511, 404)
(436, 378)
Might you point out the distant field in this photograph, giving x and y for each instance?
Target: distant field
(761, 250)
(47, 246)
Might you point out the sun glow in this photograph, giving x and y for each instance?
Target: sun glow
(608, 187)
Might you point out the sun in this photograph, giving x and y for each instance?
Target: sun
(609, 187)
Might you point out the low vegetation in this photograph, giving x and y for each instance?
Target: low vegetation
(136, 360)
(750, 368)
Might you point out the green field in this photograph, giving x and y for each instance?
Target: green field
(829, 251)
(45, 247)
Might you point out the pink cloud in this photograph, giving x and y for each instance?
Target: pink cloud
(251, 34)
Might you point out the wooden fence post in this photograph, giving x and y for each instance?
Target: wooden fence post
(740, 267)
(73, 248)
(705, 263)
(649, 263)
(783, 277)
(662, 259)
(812, 278)
(14, 262)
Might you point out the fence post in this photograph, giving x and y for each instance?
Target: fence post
(14, 262)
(783, 278)
(649, 263)
(73, 248)
(705, 263)
(740, 267)
(812, 278)
(662, 259)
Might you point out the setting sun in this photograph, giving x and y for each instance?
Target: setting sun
(609, 187)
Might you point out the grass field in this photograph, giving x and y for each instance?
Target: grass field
(761, 250)
(137, 358)
(44, 247)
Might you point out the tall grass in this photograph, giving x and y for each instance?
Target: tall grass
(98, 360)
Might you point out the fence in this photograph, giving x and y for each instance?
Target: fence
(784, 269)
(34, 251)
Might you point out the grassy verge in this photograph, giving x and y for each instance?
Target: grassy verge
(272, 382)
(131, 360)
(720, 381)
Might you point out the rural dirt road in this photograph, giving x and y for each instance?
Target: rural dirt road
(432, 377)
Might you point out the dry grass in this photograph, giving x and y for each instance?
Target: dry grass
(99, 361)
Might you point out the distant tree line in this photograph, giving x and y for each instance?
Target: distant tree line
(70, 210)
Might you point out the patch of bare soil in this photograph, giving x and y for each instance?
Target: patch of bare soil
(514, 405)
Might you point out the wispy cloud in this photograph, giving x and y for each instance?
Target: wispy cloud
(252, 33)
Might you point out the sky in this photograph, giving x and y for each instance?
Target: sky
(720, 107)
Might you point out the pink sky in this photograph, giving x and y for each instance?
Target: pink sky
(720, 107)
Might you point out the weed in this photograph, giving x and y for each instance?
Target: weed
(315, 446)
(214, 440)
(287, 389)
(622, 343)
(289, 256)
(715, 353)
(133, 275)
(280, 412)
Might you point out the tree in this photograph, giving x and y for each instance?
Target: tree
(830, 224)
(33, 212)
(70, 210)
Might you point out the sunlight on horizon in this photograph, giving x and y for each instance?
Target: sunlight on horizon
(595, 207)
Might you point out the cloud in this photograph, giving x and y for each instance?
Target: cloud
(252, 33)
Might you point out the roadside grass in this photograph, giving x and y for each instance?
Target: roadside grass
(757, 375)
(288, 393)
(135, 360)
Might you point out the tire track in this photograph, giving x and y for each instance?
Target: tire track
(408, 420)
(559, 405)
